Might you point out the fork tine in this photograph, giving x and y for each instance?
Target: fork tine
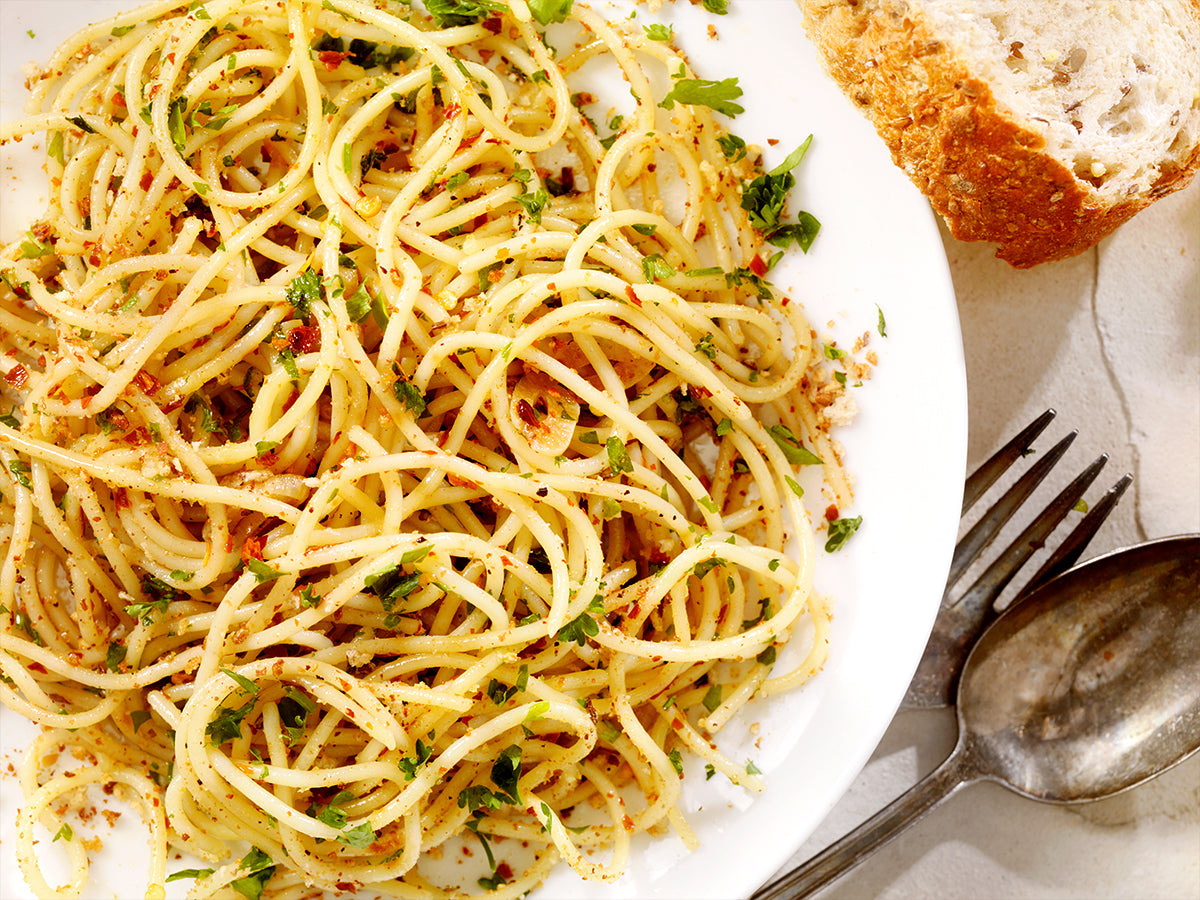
(959, 624)
(985, 476)
(1068, 552)
(986, 529)
(997, 575)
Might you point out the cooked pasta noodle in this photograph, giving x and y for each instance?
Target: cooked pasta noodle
(387, 456)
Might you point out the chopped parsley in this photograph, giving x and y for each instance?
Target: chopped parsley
(716, 95)
(658, 32)
(407, 393)
(452, 13)
(712, 697)
(548, 11)
(20, 471)
(260, 867)
(584, 625)
(676, 760)
(655, 268)
(534, 202)
(261, 571)
(793, 450)
(390, 585)
(840, 531)
(618, 456)
(410, 765)
(189, 873)
(732, 146)
(764, 199)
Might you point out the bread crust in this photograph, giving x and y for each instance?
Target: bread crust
(983, 171)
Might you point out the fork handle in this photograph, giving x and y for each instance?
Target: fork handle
(844, 854)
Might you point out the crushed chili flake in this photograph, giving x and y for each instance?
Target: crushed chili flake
(17, 376)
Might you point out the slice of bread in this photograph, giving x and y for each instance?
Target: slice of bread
(1040, 125)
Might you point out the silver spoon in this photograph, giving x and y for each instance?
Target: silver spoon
(1088, 687)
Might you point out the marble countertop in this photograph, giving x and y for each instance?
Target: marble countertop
(1111, 340)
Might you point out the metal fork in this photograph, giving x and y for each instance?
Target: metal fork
(962, 619)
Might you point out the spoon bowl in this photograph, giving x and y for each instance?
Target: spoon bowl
(1088, 686)
(1092, 685)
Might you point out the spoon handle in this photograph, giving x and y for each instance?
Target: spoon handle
(844, 854)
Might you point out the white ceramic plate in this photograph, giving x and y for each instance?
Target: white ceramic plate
(878, 247)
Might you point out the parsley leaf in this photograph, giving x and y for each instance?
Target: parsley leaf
(390, 584)
(115, 656)
(658, 32)
(618, 456)
(410, 765)
(654, 267)
(547, 11)
(732, 146)
(583, 625)
(34, 249)
(242, 681)
(506, 772)
(717, 95)
(360, 837)
(407, 393)
(302, 290)
(676, 760)
(764, 199)
(81, 123)
(533, 202)
(20, 471)
(358, 305)
(793, 450)
(261, 870)
(176, 126)
(479, 797)
(452, 13)
(189, 873)
(840, 531)
(261, 571)
(228, 724)
(802, 232)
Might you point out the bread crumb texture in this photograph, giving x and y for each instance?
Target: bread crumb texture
(1040, 125)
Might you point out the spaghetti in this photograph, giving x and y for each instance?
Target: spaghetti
(391, 457)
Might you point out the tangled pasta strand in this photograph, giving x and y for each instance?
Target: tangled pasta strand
(392, 457)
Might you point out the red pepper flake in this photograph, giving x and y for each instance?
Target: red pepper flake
(146, 382)
(331, 59)
(252, 549)
(147, 180)
(492, 24)
(757, 266)
(632, 295)
(304, 339)
(120, 498)
(527, 413)
(831, 512)
(17, 376)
